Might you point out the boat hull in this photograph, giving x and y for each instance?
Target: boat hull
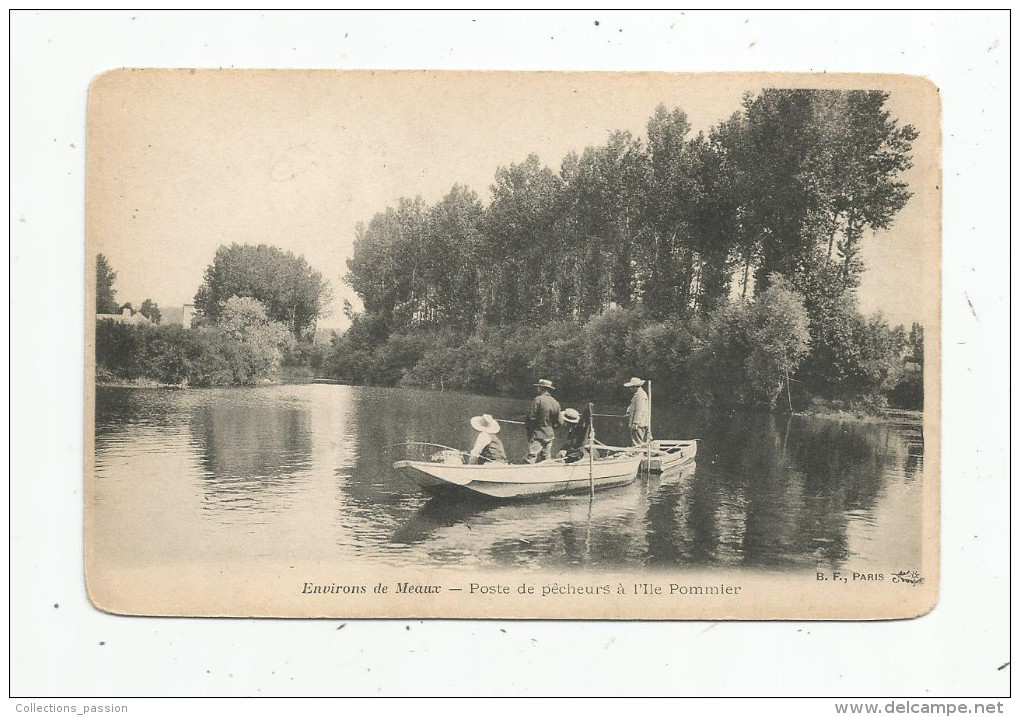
(669, 454)
(506, 481)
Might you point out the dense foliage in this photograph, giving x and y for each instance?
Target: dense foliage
(246, 349)
(725, 264)
(749, 349)
(106, 295)
(241, 346)
(290, 290)
(150, 310)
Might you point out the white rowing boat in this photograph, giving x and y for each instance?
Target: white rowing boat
(503, 480)
(669, 454)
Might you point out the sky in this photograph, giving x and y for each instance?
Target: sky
(183, 161)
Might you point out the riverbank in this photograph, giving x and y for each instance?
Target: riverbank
(818, 409)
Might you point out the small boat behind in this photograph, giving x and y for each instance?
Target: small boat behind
(669, 454)
(509, 481)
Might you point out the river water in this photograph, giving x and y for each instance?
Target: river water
(305, 472)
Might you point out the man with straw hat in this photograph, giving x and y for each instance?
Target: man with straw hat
(637, 412)
(488, 448)
(541, 422)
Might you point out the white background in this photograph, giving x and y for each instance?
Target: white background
(956, 650)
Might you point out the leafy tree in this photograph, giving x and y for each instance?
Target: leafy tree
(778, 333)
(854, 358)
(150, 310)
(749, 349)
(604, 195)
(915, 344)
(853, 168)
(246, 321)
(815, 170)
(289, 289)
(385, 266)
(672, 191)
(127, 305)
(691, 214)
(106, 295)
(448, 284)
(519, 244)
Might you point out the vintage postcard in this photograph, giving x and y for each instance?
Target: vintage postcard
(512, 345)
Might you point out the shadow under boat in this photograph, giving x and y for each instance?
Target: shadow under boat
(449, 507)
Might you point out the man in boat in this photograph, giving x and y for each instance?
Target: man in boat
(576, 448)
(541, 423)
(488, 448)
(637, 412)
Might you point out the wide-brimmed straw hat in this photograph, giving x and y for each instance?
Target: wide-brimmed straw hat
(634, 382)
(485, 424)
(545, 383)
(570, 416)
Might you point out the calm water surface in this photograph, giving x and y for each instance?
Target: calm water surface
(304, 471)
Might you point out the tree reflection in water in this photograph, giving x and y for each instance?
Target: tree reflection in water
(312, 467)
(250, 457)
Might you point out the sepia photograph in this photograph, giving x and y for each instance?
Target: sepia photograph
(362, 354)
(512, 344)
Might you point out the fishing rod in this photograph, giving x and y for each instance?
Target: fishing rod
(599, 415)
(426, 443)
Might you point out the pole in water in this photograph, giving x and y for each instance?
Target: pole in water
(789, 400)
(591, 452)
(648, 457)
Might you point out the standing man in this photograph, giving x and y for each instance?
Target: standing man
(637, 412)
(541, 422)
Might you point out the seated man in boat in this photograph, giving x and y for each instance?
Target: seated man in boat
(576, 447)
(488, 448)
(541, 423)
(637, 412)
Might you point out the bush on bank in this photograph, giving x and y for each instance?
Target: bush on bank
(173, 355)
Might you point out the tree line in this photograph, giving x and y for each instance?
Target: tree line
(723, 264)
(677, 235)
(255, 312)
